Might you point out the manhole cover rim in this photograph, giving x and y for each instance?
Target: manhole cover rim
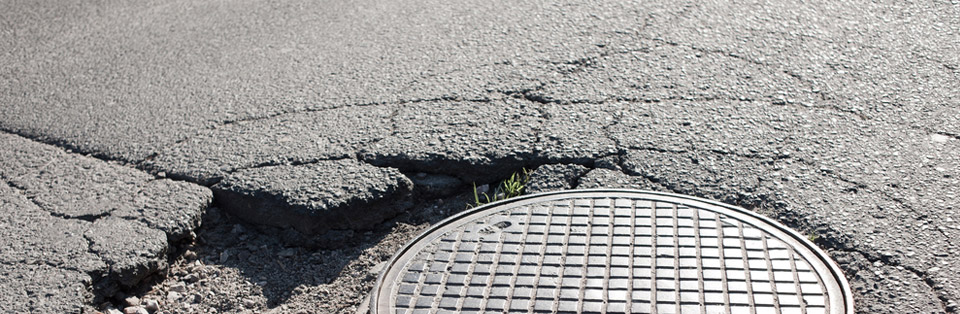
(417, 243)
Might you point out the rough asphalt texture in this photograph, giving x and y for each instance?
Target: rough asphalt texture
(838, 118)
(321, 196)
(77, 230)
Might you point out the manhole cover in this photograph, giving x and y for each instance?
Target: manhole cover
(610, 251)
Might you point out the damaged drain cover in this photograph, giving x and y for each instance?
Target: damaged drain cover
(610, 251)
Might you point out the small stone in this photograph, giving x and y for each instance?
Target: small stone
(288, 252)
(178, 287)
(134, 310)
(939, 138)
(378, 267)
(114, 311)
(151, 305)
(483, 189)
(195, 298)
(173, 296)
(191, 278)
(190, 255)
(249, 303)
(131, 301)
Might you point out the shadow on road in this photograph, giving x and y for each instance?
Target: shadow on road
(234, 266)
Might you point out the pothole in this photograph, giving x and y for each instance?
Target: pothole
(237, 267)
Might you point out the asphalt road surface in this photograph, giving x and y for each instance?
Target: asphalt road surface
(176, 152)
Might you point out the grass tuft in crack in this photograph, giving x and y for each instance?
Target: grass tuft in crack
(511, 187)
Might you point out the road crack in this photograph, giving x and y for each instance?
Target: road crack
(26, 195)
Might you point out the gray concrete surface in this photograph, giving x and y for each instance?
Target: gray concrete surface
(554, 177)
(76, 230)
(838, 118)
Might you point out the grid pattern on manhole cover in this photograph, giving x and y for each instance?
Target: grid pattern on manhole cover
(609, 253)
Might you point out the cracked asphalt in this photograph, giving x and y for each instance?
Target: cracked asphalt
(265, 156)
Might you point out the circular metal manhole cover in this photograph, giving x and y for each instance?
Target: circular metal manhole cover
(610, 251)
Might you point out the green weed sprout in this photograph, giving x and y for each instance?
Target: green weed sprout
(509, 188)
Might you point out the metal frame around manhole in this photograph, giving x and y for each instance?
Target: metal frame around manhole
(759, 243)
